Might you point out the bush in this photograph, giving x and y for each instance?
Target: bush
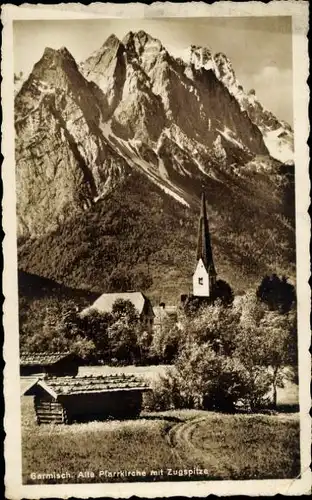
(165, 394)
(201, 379)
(230, 357)
(277, 293)
(166, 342)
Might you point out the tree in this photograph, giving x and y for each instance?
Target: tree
(122, 341)
(266, 343)
(167, 341)
(95, 326)
(277, 293)
(192, 305)
(60, 331)
(223, 292)
(123, 332)
(279, 346)
(231, 355)
(216, 324)
(202, 378)
(124, 309)
(249, 349)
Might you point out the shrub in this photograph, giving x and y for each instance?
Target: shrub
(166, 342)
(230, 356)
(277, 293)
(201, 378)
(165, 394)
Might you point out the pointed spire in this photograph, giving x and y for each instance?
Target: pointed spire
(204, 251)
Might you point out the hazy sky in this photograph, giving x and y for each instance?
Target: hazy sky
(260, 48)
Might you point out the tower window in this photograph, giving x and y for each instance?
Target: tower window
(200, 281)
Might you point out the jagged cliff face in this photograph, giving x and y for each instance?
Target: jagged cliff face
(277, 134)
(131, 106)
(63, 160)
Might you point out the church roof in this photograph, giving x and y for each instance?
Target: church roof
(106, 301)
(204, 251)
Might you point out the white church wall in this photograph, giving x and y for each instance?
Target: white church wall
(201, 281)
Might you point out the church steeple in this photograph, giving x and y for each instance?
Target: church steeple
(204, 251)
(204, 277)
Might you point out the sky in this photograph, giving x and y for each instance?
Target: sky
(260, 49)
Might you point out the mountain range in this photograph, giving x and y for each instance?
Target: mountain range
(113, 153)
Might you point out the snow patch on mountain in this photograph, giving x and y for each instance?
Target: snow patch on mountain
(162, 169)
(280, 144)
(126, 149)
(229, 136)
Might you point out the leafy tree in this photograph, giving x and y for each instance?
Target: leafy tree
(201, 378)
(266, 342)
(223, 292)
(216, 324)
(124, 309)
(60, 331)
(193, 304)
(231, 355)
(122, 342)
(277, 293)
(167, 341)
(279, 346)
(95, 326)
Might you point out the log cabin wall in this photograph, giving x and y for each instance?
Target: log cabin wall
(48, 410)
(119, 404)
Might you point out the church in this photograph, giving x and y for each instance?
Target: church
(205, 276)
(204, 281)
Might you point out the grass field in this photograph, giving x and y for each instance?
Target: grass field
(174, 445)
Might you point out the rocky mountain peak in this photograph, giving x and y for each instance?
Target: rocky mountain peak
(140, 37)
(277, 134)
(56, 68)
(200, 57)
(141, 45)
(55, 57)
(111, 41)
(130, 105)
(224, 69)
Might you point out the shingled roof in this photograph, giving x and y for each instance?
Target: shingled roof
(67, 386)
(30, 359)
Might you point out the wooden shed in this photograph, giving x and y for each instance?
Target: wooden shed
(79, 399)
(54, 364)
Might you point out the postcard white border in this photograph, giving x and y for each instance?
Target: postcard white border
(299, 12)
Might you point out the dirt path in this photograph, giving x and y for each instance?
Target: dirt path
(184, 445)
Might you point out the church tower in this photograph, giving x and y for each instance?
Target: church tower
(204, 277)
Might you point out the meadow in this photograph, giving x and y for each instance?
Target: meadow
(172, 445)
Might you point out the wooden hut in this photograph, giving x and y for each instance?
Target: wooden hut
(55, 364)
(69, 399)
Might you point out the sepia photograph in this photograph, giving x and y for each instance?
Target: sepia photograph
(157, 281)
